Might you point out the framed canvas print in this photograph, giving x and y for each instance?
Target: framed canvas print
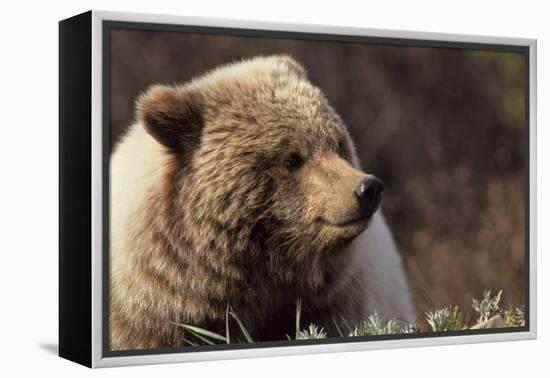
(233, 189)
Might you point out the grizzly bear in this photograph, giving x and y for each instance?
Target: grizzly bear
(242, 188)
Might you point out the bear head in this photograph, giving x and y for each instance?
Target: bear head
(260, 169)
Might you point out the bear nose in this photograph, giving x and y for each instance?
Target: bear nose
(369, 193)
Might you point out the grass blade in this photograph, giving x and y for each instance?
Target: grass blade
(189, 342)
(337, 328)
(346, 324)
(298, 313)
(242, 327)
(204, 339)
(202, 332)
(227, 336)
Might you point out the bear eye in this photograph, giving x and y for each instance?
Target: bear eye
(294, 162)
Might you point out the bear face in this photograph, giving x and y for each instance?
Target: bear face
(261, 170)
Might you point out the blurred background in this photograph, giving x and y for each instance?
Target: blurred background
(442, 127)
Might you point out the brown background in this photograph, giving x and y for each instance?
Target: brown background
(443, 128)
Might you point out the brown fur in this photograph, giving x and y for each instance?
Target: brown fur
(227, 222)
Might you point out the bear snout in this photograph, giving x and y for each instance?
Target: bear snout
(369, 193)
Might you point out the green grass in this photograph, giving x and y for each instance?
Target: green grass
(490, 315)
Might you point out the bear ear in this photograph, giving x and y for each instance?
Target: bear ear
(292, 65)
(172, 115)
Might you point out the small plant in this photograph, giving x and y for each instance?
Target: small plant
(374, 326)
(410, 328)
(438, 319)
(488, 306)
(312, 332)
(514, 317)
(446, 319)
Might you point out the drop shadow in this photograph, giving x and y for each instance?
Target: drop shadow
(51, 348)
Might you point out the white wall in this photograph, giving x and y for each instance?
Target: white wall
(28, 204)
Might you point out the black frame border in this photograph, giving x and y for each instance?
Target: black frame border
(108, 25)
(75, 188)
